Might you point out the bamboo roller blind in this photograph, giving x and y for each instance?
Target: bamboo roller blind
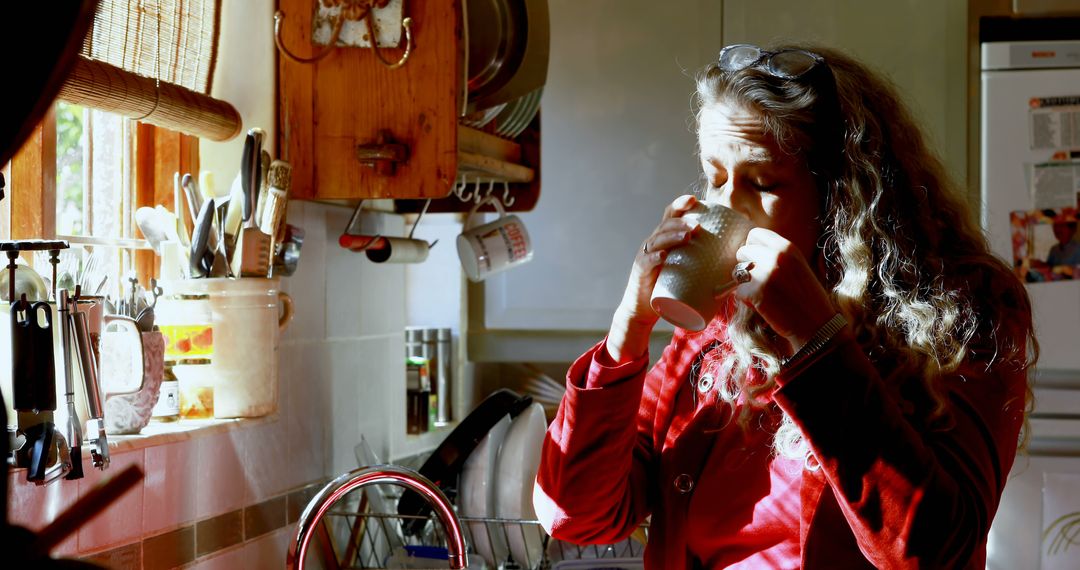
(153, 61)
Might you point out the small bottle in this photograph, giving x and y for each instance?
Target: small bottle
(167, 408)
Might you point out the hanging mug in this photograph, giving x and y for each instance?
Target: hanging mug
(495, 246)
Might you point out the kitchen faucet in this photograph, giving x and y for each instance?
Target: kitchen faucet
(337, 489)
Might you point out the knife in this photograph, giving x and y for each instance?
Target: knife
(202, 257)
(245, 173)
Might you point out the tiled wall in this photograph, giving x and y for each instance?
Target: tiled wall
(339, 360)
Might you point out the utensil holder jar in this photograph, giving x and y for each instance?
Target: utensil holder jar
(248, 316)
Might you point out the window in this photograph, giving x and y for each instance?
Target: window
(94, 197)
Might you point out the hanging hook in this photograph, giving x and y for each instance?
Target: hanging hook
(464, 184)
(406, 24)
(420, 217)
(279, 16)
(507, 199)
(487, 193)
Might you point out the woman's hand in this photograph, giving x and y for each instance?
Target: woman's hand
(783, 289)
(635, 318)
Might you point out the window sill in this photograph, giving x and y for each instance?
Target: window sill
(164, 433)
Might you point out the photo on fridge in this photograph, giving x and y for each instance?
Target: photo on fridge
(1045, 244)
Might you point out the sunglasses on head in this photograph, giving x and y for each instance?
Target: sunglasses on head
(785, 64)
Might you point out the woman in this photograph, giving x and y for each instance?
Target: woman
(858, 400)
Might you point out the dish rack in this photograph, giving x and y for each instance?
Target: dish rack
(354, 538)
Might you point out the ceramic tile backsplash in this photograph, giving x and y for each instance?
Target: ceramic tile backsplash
(265, 466)
(307, 286)
(363, 298)
(309, 425)
(169, 486)
(34, 507)
(122, 522)
(222, 485)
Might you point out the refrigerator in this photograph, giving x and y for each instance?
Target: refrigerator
(1030, 179)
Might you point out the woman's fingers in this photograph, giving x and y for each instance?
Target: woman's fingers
(680, 206)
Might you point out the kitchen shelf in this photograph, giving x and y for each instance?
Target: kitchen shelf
(486, 168)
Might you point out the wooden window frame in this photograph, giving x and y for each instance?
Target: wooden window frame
(31, 188)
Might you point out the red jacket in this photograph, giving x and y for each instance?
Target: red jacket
(891, 490)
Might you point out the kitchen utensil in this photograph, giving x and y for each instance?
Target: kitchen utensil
(45, 452)
(247, 161)
(95, 425)
(255, 253)
(476, 494)
(287, 258)
(202, 258)
(178, 208)
(194, 197)
(514, 474)
(74, 424)
(445, 463)
(152, 227)
(279, 179)
(264, 165)
(32, 356)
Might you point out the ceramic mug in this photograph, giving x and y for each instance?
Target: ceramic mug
(495, 246)
(695, 275)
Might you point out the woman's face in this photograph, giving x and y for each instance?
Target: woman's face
(747, 171)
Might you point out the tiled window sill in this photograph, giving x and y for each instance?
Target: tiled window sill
(163, 433)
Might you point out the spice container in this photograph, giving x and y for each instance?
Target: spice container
(418, 411)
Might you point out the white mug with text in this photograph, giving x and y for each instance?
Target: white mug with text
(495, 246)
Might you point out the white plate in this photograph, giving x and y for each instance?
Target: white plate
(532, 104)
(519, 460)
(506, 116)
(477, 494)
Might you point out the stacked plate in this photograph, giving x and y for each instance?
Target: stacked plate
(506, 55)
(517, 114)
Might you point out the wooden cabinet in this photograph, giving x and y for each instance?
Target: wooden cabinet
(330, 110)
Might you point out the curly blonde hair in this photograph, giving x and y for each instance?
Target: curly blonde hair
(904, 259)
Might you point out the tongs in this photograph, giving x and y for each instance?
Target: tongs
(99, 453)
(74, 426)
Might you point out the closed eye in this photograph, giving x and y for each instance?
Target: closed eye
(763, 185)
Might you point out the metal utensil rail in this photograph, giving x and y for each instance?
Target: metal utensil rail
(363, 539)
